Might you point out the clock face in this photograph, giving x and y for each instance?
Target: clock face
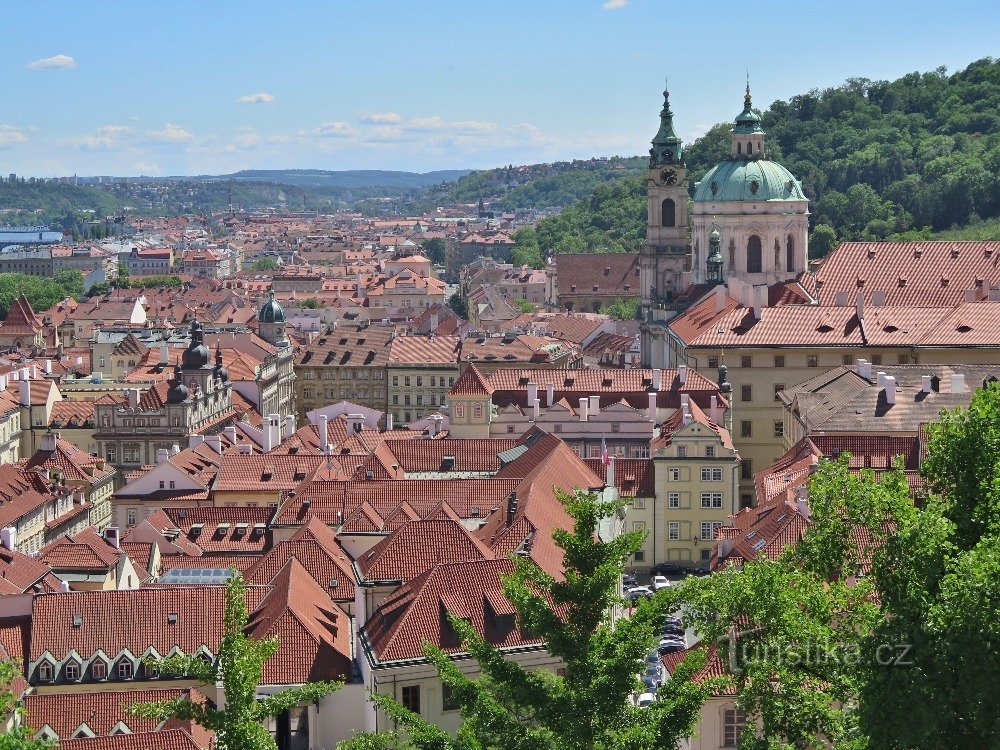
(668, 176)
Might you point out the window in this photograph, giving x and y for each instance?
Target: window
(411, 698)
(510, 429)
(594, 451)
(713, 363)
(746, 428)
(755, 255)
(790, 254)
(395, 400)
(639, 526)
(172, 484)
(779, 360)
(460, 411)
(708, 529)
(639, 555)
(746, 393)
(903, 359)
(616, 427)
(733, 722)
(639, 503)
(711, 499)
(45, 671)
(477, 410)
(72, 671)
(746, 361)
(130, 516)
(433, 381)
(110, 454)
(406, 399)
(448, 702)
(420, 380)
(406, 380)
(847, 360)
(674, 500)
(674, 531)
(674, 475)
(778, 388)
(682, 451)
(779, 428)
(746, 469)
(876, 359)
(668, 213)
(711, 474)
(99, 670)
(812, 360)
(710, 451)
(124, 669)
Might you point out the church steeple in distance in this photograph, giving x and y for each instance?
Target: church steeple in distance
(667, 146)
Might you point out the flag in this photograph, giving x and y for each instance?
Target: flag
(605, 458)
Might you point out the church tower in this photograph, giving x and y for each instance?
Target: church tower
(664, 259)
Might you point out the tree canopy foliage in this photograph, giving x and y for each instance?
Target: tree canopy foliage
(20, 736)
(587, 706)
(41, 291)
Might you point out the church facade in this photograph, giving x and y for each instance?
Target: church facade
(748, 220)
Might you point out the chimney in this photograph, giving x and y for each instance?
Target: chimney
(289, 427)
(164, 354)
(133, 397)
(746, 295)
(802, 502)
(880, 379)
(435, 322)
(861, 367)
(878, 298)
(713, 412)
(195, 440)
(958, 382)
(609, 480)
(48, 367)
(324, 433)
(215, 443)
(550, 394)
(25, 373)
(79, 360)
(511, 508)
(657, 379)
(25, 393)
(859, 304)
(682, 374)
(271, 430)
(720, 298)
(890, 389)
(431, 428)
(758, 301)
(8, 537)
(111, 536)
(64, 587)
(388, 422)
(175, 449)
(925, 384)
(532, 393)
(685, 403)
(536, 409)
(584, 409)
(230, 433)
(651, 416)
(595, 405)
(686, 418)
(162, 454)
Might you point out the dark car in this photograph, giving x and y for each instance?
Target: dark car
(628, 581)
(667, 569)
(670, 647)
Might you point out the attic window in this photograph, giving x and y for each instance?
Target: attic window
(222, 529)
(447, 463)
(77, 620)
(196, 529)
(241, 529)
(258, 529)
(944, 281)
(333, 583)
(606, 383)
(759, 545)
(902, 281)
(172, 618)
(751, 535)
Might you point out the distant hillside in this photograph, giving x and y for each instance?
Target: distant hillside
(353, 178)
(912, 158)
(37, 201)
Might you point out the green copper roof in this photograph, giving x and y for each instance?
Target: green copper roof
(747, 121)
(667, 146)
(755, 180)
(271, 312)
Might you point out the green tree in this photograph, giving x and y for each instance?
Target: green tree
(527, 252)
(265, 264)
(19, 737)
(434, 249)
(239, 664)
(459, 304)
(524, 306)
(822, 240)
(622, 309)
(312, 304)
(589, 706)
(71, 280)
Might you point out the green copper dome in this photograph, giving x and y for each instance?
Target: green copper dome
(271, 312)
(748, 121)
(755, 181)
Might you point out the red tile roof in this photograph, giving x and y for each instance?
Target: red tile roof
(167, 739)
(87, 551)
(471, 383)
(418, 545)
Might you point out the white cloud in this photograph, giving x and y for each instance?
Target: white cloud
(146, 168)
(386, 133)
(381, 118)
(335, 130)
(104, 138)
(259, 98)
(248, 140)
(615, 4)
(10, 134)
(49, 63)
(171, 132)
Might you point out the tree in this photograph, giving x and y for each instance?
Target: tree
(71, 280)
(312, 304)
(622, 309)
(822, 240)
(19, 737)
(526, 252)
(265, 264)
(434, 249)
(587, 707)
(459, 304)
(524, 306)
(238, 666)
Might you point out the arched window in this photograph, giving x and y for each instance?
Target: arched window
(790, 254)
(739, 147)
(668, 213)
(754, 255)
(777, 254)
(749, 147)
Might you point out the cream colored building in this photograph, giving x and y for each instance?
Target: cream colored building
(419, 372)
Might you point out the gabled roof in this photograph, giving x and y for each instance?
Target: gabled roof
(88, 550)
(471, 383)
(21, 319)
(167, 739)
(418, 545)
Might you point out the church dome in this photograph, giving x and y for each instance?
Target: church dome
(178, 392)
(271, 312)
(755, 180)
(196, 355)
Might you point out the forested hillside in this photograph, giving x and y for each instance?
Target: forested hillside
(912, 158)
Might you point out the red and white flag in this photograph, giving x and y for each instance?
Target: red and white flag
(605, 458)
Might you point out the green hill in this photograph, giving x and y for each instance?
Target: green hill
(916, 157)
(354, 178)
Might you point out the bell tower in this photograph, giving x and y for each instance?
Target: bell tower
(664, 260)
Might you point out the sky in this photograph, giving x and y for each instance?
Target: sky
(196, 87)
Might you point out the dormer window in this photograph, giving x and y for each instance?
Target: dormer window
(125, 669)
(99, 670)
(45, 671)
(72, 671)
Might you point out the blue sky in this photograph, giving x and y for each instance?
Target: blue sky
(185, 87)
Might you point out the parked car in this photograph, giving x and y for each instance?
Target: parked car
(652, 658)
(638, 592)
(645, 699)
(670, 647)
(667, 569)
(628, 580)
(671, 628)
(651, 684)
(660, 582)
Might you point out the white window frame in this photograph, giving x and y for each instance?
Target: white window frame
(674, 531)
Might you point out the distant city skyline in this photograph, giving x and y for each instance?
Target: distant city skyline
(183, 88)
